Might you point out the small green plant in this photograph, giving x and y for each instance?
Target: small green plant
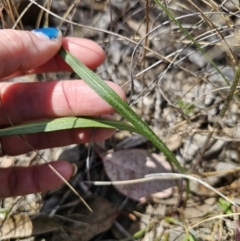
(187, 109)
(225, 206)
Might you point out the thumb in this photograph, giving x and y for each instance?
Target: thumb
(24, 50)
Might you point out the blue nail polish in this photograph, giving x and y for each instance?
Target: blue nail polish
(50, 33)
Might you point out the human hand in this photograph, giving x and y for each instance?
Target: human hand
(21, 53)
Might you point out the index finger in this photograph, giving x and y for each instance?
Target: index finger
(85, 50)
(22, 52)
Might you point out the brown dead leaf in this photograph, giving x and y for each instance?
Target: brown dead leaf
(16, 226)
(136, 163)
(80, 225)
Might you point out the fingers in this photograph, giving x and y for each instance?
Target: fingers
(15, 145)
(21, 102)
(87, 51)
(23, 50)
(16, 181)
(28, 101)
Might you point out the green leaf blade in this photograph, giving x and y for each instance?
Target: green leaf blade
(111, 97)
(65, 123)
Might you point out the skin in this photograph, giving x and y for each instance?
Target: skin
(21, 52)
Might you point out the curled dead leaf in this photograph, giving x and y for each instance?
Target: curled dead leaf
(136, 163)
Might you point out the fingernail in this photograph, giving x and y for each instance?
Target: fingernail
(75, 169)
(47, 33)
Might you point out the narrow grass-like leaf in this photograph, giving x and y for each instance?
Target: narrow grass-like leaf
(191, 38)
(110, 96)
(65, 123)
